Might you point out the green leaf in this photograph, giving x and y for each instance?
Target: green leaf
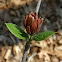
(43, 35)
(17, 31)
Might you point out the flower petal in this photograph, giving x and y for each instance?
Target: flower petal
(25, 22)
(30, 20)
(36, 16)
(28, 29)
(39, 22)
(34, 26)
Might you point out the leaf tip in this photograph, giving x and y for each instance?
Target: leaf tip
(5, 23)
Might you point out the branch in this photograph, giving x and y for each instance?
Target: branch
(25, 52)
(38, 6)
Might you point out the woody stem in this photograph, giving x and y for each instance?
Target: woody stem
(38, 6)
(26, 50)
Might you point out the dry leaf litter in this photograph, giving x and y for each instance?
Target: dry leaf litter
(49, 50)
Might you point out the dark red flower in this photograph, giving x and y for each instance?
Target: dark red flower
(32, 23)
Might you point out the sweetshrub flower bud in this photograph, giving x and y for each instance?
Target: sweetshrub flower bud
(32, 23)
